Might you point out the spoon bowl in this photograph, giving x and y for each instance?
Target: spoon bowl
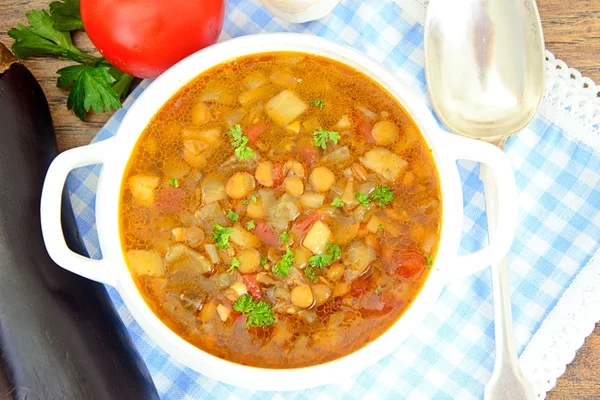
(484, 65)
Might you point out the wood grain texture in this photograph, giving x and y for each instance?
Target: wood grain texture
(572, 33)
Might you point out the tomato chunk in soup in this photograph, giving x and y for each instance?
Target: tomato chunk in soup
(281, 210)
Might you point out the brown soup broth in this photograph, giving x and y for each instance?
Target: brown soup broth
(183, 178)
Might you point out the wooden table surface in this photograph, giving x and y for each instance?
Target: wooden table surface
(572, 33)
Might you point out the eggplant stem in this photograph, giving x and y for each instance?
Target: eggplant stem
(6, 58)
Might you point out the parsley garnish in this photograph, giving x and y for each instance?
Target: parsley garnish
(174, 182)
(235, 263)
(381, 228)
(258, 313)
(323, 260)
(310, 273)
(240, 142)
(253, 199)
(428, 260)
(96, 83)
(282, 268)
(321, 137)
(362, 199)
(251, 225)
(221, 236)
(383, 195)
(318, 103)
(378, 290)
(337, 202)
(263, 259)
(232, 215)
(285, 237)
(246, 202)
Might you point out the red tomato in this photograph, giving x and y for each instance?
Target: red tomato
(409, 264)
(300, 228)
(266, 233)
(252, 285)
(145, 37)
(307, 155)
(254, 131)
(277, 174)
(363, 126)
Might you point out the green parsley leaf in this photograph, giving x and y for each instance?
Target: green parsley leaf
(43, 39)
(66, 15)
(122, 83)
(310, 274)
(334, 251)
(91, 89)
(246, 202)
(251, 225)
(323, 260)
(253, 199)
(263, 260)
(240, 142)
(381, 228)
(244, 304)
(282, 268)
(258, 313)
(174, 182)
(362, 199)
(235, 263)
(378, 290)
(285, 237)
(232, 215)
(221, 236)
(320, 260)
(318, 103)
(321, 137)
(428, 260)
(337, 202)
(383, 195)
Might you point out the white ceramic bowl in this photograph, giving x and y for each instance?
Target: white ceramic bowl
(114, 154)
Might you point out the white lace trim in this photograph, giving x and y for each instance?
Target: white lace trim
(564, 330)
(572, 102)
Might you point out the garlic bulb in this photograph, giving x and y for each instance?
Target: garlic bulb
(300, 10)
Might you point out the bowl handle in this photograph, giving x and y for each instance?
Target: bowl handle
(498, 168)
(50, 209)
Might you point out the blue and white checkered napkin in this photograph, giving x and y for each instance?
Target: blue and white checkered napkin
(450, 355)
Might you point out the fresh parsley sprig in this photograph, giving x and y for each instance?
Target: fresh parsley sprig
(258, 313)
(321, 137)
(240, 142)
(282, 268)
(382, 195)
(323, 260)
(221, 236)
(95, 83)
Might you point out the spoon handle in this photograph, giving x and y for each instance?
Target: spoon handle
(507, 381)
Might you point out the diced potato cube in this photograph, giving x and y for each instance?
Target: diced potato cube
(254, 80)
(385, 132)
(384, 162)
(213, 189)
(312, 199)
(374, 223)
(284, 79)
(294, 127)
(285, 107)
(322, 179)
(145, 262)
(252, 96)
(178, 234)
(343, 123)
(256, 210)
(239, 289)
(200, 114)
(192, 153)
(312, 124)
(223, 312)
(143, 187)
(317, 237)
(239, 185)
(212, 137)
(243, 238)
(264, 174)
(301, 256)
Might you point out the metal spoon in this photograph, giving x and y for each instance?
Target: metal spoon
(484, 63)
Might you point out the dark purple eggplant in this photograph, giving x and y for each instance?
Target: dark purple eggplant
(60, 336)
